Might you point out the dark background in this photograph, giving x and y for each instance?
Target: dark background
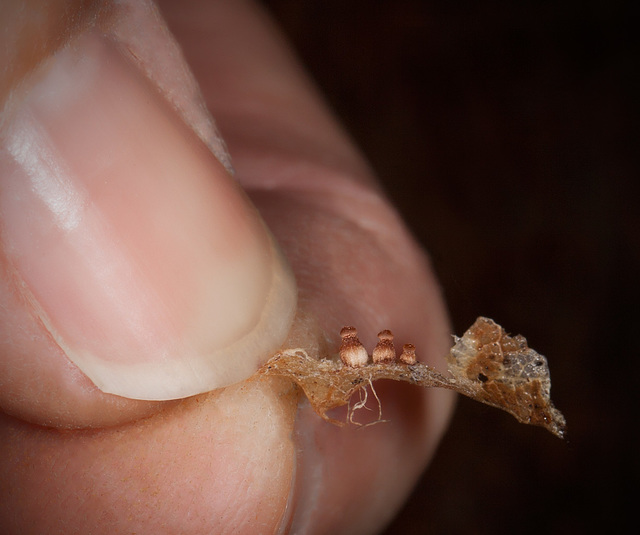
(503, 132)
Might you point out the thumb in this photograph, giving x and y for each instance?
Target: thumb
(126, 246)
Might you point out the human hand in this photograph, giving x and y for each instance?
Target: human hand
(243, 458)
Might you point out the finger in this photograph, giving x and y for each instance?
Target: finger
(127, 248)
(259, 94)
(215, 463)
(184, 469)
(354, 260)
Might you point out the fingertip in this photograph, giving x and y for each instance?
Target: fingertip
(127, 247)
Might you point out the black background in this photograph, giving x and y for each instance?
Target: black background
(503, 132)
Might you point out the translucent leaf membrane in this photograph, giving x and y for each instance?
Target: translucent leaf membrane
(485, 364)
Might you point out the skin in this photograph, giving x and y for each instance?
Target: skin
(253, 457)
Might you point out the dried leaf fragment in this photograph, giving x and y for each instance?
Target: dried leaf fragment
(503, 371)
(485, 363)
(329, 384)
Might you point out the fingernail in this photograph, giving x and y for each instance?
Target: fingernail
(131, 242)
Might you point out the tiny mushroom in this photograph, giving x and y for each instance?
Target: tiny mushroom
(384, 350)
(352, 352)
(408, 355)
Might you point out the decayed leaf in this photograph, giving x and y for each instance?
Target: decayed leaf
(485, 364)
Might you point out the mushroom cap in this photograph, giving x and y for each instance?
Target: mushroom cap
(348, 331)
(385, 335)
